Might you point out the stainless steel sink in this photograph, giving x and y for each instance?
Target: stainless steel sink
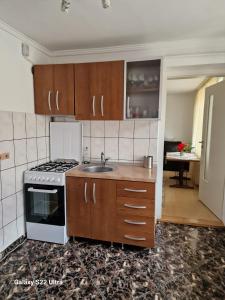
(97, 169)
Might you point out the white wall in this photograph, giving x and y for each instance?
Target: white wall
(179, 116)
(16, 80)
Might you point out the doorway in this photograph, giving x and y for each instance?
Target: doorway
(184, 125)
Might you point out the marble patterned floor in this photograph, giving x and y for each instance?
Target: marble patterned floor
(187, 263)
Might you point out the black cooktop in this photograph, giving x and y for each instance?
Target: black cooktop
(57, 166)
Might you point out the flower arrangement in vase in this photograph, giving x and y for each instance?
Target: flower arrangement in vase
(184, 147)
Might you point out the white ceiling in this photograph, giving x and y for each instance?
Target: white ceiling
(184, 85)
(88, 25)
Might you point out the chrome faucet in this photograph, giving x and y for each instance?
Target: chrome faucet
(103, 159)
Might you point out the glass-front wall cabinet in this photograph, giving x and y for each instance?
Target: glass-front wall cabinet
(142, 91)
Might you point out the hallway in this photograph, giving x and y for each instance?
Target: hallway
(182, 206)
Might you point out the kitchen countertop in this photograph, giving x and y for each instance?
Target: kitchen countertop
(121, 172)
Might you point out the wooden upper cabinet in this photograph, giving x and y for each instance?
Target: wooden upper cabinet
(83, 97)
(43, 89)
(54, 89)
(99, 91)
(64, 89)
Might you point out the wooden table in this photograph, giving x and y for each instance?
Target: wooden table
(184, 158)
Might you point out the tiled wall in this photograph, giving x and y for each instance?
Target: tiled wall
(126, 141)
(26, 138)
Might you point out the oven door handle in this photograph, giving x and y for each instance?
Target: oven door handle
(42, 191)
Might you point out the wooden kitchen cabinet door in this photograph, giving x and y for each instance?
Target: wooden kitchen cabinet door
(78, 207)
(112, 90)
(64, 89)
(83, 97)
(44, 89)
(99, 91)
(103, 209)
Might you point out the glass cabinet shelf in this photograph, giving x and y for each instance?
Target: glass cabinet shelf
(142, 89)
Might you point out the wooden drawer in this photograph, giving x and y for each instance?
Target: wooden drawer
(135, 230)
(134, 189)
(135, 206)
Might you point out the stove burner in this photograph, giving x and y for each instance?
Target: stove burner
(57, 166)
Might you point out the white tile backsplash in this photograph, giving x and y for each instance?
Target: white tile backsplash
(19, 177)
(154, 129)
(32, 164)
(141, 129)
(86, 148)
(7, 146)
(97, 129)
(127, 140)
(126, 129)
(6, 126)
(8, 182)
(86, 128)
(20, 222)
(97, 146)
(112, 128)
(19, 125)
(126, 149)
(41, 147)
(10, 233)
(19, 203)
(31, 125)
(47, 125)
(153, 149)
(112, 148)
(9, 209)
(18, 136)
(141, 148)
(31, 149)
(40, 125)
(20, 152)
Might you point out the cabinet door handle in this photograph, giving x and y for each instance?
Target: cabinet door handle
(134, 206)
(134, 238)
(85, 192)
(49, 100)
(57, 100)
(136, 191)
(134, 222)
(93, 105)
(94, 195)
(102, 106)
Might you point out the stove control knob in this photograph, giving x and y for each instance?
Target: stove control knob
(47, 179)
(39, 178)
(58, 180)
(42, 178)
(34, 178)
(52, 179)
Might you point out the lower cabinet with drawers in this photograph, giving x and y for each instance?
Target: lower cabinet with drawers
(111, 210)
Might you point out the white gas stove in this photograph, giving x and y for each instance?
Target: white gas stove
(45, 198)
(50, 173)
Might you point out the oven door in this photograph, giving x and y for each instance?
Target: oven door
(45, 204)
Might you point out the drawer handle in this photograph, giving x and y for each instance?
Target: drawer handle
(134, 222)
(134, 238)
(136, 191)
(134, 206)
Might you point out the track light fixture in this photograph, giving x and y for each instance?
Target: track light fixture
(65, 5)
(106, 3)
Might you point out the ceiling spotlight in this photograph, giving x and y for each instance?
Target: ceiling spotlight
(106, 3)
(65, 6)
